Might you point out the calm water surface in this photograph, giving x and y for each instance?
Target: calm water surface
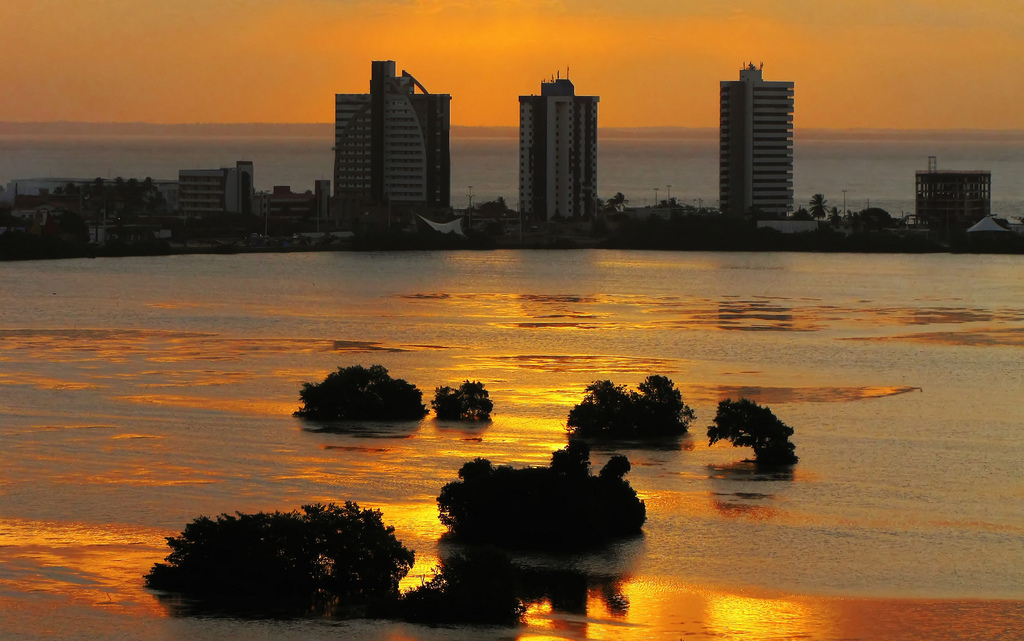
(136, 394)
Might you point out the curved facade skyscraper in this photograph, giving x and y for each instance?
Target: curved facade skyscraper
(392, 144)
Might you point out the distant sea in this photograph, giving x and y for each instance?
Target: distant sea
(875, 167)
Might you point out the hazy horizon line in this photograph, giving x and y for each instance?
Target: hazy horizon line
(318, 129)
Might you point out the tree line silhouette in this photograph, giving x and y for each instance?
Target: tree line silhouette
(607, 412)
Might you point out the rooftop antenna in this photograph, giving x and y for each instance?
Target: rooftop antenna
(559, 74)
(566, 72)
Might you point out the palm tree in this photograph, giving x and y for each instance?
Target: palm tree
(819, 206)
(834, 217)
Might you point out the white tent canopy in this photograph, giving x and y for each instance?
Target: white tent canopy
(987, 224)
(454, 227)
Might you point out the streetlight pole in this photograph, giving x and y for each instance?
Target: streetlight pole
(469, 210)
(656, 196)
(844, 202)
(668, 193)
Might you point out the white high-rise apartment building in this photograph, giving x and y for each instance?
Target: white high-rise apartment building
(557, 152)
(756, 145)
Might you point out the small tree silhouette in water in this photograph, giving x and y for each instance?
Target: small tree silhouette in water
(469, 402)
(562, 507)
(315, 561)
(747, 424)
(360, 394)
(655, 410)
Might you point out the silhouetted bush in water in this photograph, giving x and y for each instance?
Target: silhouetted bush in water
(609, 411)
(477, 588)
(484, 586)
(569, 590)
(321, 560)
(470, 402)
(357, 393)
(560, 508)
(748, 424)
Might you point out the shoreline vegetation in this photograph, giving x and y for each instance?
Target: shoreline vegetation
(708, 235)
(141, 226)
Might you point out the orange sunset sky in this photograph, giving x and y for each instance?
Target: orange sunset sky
(952, 64)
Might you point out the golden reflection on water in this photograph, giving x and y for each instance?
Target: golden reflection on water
(572, 363)
(418, 519)
(764, 394)
(143, 475)
(245, 406)
(92, 564)
(677, 610)
(730, 509)
(422, 571)
(193, 378)
(155, 346)
(730, 616)
(538, 396)
(43, 382)
(615, 312)
(980, 337)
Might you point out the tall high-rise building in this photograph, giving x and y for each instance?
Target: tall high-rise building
(756, 145)
(392, 144)
(557, 152)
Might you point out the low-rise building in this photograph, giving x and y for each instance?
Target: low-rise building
(209, 192)
(952, 199)
(283, 203)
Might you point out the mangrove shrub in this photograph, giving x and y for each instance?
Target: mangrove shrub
(655, 409)
(316, 560)
(360, 394)
(747, 424)
(561, 507)
(469, 402)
